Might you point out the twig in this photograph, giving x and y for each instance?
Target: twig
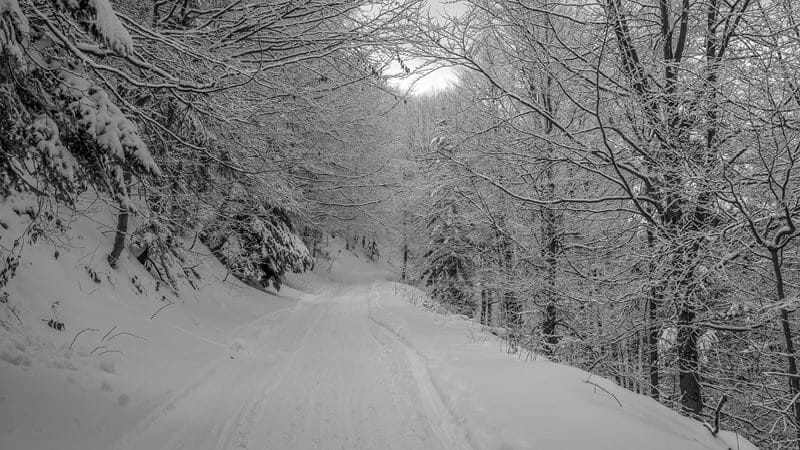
(14, 312)
(194, 241)
(604, 390)
(109, 332)
(79, 333)
(159, 309)
(717, 411)
(109, 351)
(126, 333)
(594, 364)
(97, 348)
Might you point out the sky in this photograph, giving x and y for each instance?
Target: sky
(438, 79)
(423, 84)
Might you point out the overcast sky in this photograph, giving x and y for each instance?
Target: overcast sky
(440, 78)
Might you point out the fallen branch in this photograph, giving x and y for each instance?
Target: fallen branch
(125, 333)
(159, 309)
(717, 411)
(79, 333)
(604, 390)
(96, 349)
(109, 332)
(14, 312)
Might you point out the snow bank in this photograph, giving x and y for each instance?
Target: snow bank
(505, 402)
(127, 344)
(129, 352)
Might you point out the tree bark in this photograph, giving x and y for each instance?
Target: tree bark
(689, 362)
(653, 332)
(405, 261)
(550, 250)
(122, 228)
(791, 360)
(119, 237)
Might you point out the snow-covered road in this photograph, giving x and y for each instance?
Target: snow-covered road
(343, 358)
(320, 375)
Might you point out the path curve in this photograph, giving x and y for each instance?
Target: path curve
(322, 375)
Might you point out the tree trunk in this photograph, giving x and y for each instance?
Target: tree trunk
(484, 306)
(119, 237)
(122, 227)
(550, 239)
(405, 261)
(689, 362)
(653, 332)
(490, 307)
(688, 332)
(791, 360)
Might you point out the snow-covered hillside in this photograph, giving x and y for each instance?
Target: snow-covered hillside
(122, 352)
(507, 402)
(341, 358)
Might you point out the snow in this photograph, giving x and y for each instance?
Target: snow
(11, 7)
(99, 17)
(13, 24)
(44, 132)
(15, 205)
(104, 121)
(509, 402)
(110, 27)
(348, 363)
(52, 396)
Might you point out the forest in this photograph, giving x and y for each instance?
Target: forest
(608, 183)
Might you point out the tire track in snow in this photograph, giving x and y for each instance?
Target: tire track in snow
(324, 374)
(239, 429)
(448, 430)
(171, 417)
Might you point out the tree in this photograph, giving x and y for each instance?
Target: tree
(641, 125)
(201, 91)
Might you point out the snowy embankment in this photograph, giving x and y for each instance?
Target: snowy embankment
(504, 402)
(346, 363)
(125, 345)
